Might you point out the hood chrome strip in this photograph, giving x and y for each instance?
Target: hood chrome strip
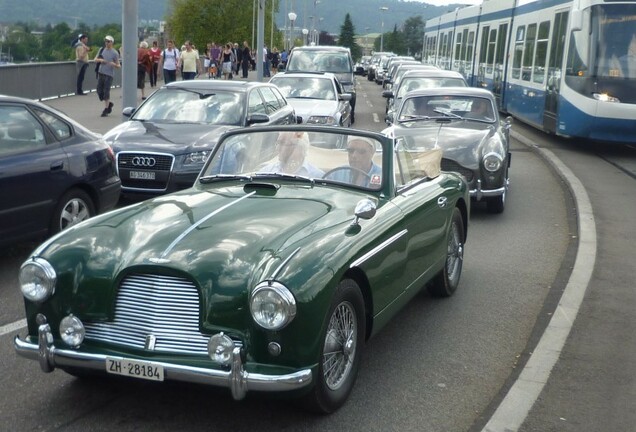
(282, 265)
(193, 227)
(378, 248)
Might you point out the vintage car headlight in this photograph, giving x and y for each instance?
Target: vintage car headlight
(326, 120)
(272, 305)
(72, 331)
(196, 158)
(492, 162)
(37, 279)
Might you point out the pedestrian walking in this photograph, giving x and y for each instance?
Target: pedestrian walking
(144, 66)
(169, 63)
(190, 62)
(108, 59)
(246, 58)
(155, 55)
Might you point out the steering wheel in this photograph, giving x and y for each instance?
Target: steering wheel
(347, 168)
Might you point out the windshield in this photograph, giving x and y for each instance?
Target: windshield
(352, 160)
(454, 107)
(416, 83)
(187, 106)
(319, 61)
(305, 87)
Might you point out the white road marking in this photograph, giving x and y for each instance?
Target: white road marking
(376, 118)
(8, 328)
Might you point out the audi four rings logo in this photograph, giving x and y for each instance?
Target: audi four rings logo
(144, 161)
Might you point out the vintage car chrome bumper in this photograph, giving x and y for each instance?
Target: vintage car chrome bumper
(478, 193)
(236, 378)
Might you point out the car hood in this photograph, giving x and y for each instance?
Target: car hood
(462, 141)
(174, 138)
(226, 239)
(312, 107)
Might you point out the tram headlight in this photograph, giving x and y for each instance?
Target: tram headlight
(604, 97)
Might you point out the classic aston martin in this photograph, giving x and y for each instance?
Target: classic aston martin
(269, 274)
(464, 123)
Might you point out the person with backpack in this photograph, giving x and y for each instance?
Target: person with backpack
(169, 63)
(108, 60)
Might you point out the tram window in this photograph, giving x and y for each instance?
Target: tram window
(470, 47)
(540, 57)
(501, 44)
(516, 60)
(491, 50)
(528, 54)
(483, 48)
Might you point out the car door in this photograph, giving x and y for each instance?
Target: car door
(33, 173)
(425, 205)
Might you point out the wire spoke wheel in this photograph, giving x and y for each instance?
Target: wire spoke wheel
(340, 345)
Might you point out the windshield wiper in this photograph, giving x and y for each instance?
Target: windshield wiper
(201, 95)
(284, 175)
(224, 177)
(448, 113)
(413, 117)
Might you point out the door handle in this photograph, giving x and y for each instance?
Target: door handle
(57, 166)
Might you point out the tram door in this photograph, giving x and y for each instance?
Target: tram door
(499, 64)
(555, 62)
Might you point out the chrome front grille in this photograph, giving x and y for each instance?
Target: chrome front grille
(159, 162)
(451, 165)
(154, 309)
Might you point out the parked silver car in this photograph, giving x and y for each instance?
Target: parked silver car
(318, 98)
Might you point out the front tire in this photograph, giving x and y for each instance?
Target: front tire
(446, 282)
(342, 343)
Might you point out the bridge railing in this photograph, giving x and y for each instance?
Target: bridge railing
(46, 80)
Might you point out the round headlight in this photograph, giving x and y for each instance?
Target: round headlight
(72, 331)
(37, 279)
(272, 305)
(492, 162)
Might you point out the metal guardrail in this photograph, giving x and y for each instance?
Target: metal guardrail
(46, 80)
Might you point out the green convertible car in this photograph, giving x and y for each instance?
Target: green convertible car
(294, 246)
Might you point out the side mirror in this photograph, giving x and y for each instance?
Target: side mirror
(128, 111)
(365, 209)
(387, 94)
(257, 118)
(576, 17)
(388, 119)
(281, 67)
(299, 120)
(345, 96)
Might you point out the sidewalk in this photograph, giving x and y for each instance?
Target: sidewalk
(87, 109)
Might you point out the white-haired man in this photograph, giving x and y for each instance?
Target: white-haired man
(292, 150)
(362, 171)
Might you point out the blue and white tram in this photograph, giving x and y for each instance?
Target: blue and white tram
(566, 67)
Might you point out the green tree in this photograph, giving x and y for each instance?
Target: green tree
(347, 38)
(413, 35)
(56, 43)
(220, 21)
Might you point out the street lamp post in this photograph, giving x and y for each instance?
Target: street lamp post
(292, 17)
(382, 9)
(305, 32)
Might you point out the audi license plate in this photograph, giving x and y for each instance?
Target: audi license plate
(142, 175)
(134, 368)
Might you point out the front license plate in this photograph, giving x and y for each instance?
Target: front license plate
(142, 175)
(134, 368)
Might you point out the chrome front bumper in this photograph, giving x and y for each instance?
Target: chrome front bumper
(478, 193)
(236, 378)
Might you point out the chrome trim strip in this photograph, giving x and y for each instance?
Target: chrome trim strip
(378, 248)
(283, 264)
(236, 379)
(193, 227)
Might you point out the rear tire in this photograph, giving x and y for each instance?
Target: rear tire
(343, 341)
(74, 207)
(446, 282)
